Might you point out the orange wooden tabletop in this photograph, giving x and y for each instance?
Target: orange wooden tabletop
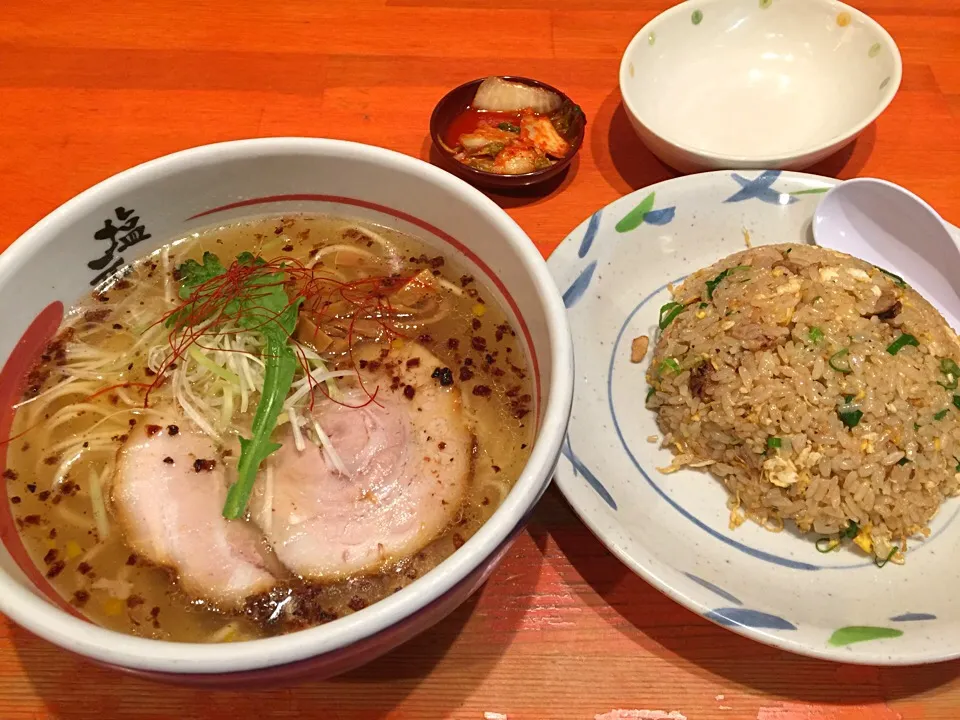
(562, 630)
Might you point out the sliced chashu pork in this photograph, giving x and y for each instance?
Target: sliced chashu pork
(408, 459)
(168, 496)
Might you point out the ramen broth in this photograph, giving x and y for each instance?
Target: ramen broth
(110, 376)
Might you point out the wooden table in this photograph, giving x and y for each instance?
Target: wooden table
(562, 630)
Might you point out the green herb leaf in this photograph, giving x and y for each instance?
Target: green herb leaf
(774, 442)
(668, 313)
(903, 461)
(956, 401)
(940, 415)
(815, 334)
(901, 342)
(650, 393)
(851, 530)
(839, 362)
(509, 127)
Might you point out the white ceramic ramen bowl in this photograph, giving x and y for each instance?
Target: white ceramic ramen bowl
(712, 84)
(47, 269)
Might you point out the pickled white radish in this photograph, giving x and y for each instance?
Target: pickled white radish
(497, 94)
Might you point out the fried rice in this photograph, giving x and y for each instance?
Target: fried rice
(819, 389)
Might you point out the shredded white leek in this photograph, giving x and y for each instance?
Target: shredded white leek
(210, 365)
(99, 509)
(327, 447)
(226, 410)
(295, 426)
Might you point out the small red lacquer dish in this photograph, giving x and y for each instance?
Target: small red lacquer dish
(453, 116)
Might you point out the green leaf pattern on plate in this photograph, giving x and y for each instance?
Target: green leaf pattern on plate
(633, 219)
(874, 50)
(810, 191)
(861, 633)
(696, 17)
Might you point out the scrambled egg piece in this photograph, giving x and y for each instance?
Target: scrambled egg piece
(780, 472)
(863, 540)
(858, 274)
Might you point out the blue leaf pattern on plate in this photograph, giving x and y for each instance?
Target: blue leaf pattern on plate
(714, 588)
(580, 469)
(592, 227)
(661, 216)
(745, 617)
(579, 286)
(760, 188)
(913, 617)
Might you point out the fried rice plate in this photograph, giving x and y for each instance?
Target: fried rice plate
(819, 389)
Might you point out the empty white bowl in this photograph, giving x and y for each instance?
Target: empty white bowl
(714, 84)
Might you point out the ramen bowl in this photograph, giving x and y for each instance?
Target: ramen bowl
(741, 84)
(57, 262)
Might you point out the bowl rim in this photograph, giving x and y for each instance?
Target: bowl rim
(37, 614)
(889, 92)
(483, 175)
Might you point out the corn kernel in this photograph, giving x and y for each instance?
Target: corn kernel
(397, 343)
(936, 443)
(701, 315)
(479, 309)
(73, 550)
(113, 606)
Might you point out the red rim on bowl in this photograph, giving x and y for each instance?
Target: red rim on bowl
(458, 100)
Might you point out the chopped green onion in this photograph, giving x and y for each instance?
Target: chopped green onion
(898, 281)
(949, 368)
(916, 426)
(903, 461)
(880, 563)
(957, 469)
(956, 401)
(839, 362)
(712, 284)
(670, 364)
(848, 398)
(826, 544)
(509, 127)
(901, 342)
(703, 305)
(650, 394)
(851, 530)
(774, 442)
(668, 313)
(850, 418)
(815, 334)
(940, 415)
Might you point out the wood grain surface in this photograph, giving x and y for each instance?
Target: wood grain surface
(562, 630)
